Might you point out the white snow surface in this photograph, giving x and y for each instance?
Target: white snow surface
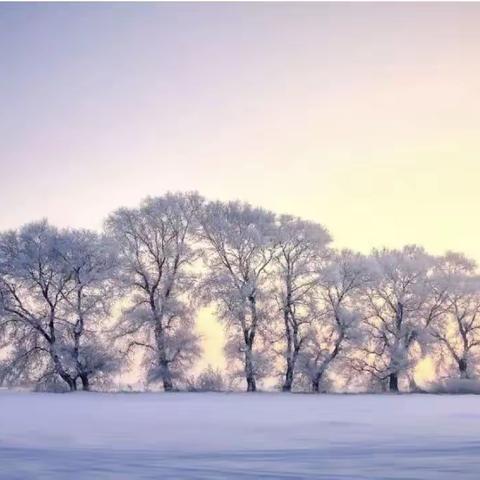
(238, 436)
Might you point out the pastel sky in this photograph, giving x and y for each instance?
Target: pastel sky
(365, 117)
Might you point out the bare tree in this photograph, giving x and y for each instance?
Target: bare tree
(158, 255)
(301, 246)
(240, 246)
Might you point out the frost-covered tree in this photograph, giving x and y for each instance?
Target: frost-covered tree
(458, 330)
(53, 295)
(33, 284)
(92, 263)
(301, 246)
(156, 244)
(239, 242)
(335, 331)
(401, 302)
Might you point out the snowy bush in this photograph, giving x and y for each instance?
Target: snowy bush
(456, 386)
(51, 384)
(210, 380)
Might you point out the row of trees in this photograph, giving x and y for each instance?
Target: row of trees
(76, 306)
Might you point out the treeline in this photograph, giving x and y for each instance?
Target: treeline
(293, 307)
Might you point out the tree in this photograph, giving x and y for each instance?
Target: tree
(336, 327)
(300, 248)
(54, 285)
(239, 242)
(33, 284)
(92, 263)
(458, 331)
(401, 302)
(156, 244)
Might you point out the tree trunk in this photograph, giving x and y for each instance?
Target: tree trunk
(70, 381)
(293, 349)
(462, 367)
(166, 377)
(164, 364)
(291, 362)
(85, 382)
(167, 385)
(77, 334)
(249, 338)
(316, 384)
(249, 367)
(393, 382)
(251, 384)
(287, 384)
(72, 384)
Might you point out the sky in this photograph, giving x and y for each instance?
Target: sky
(364, 117)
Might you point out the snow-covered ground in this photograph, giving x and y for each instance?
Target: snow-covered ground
(238, 436)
